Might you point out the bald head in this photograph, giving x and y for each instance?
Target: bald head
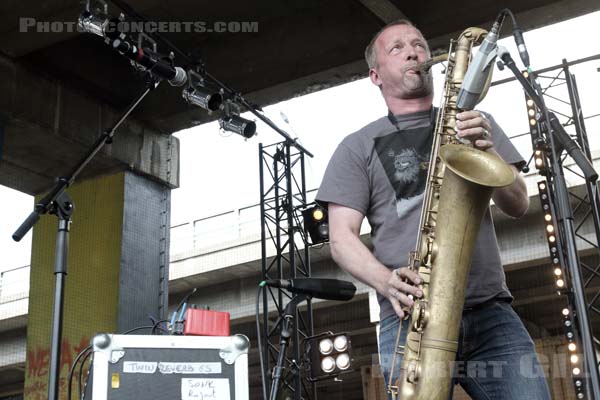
(371, 50)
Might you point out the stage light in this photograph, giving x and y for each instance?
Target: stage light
(316, 224)
(574, 358)
(576, 371)
(93, 23)
(341, 343)
(318, 214)
(572, 347)
(329, 355)
(328, 364)
(326, 346)
(236, 124)
(540, 163)
(565, 311)
(548, 217)
(557, 272)
(550, 228)
(202, 97)
(560, 283)
(342, 361)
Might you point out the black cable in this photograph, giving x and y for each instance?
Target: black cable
(519, 41)
(80, 384)
(261, 287)
(72, 370)
(139, 328)
(156, 325)
(87, 378)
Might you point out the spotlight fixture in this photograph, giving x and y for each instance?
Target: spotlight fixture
(329, 355)
(539, 158)
(236, 124)
(93, 23)
(316, 224)
(202, 97)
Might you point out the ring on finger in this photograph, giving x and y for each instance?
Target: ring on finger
(486, 133)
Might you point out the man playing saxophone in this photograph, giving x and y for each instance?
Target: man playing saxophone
(379, 172)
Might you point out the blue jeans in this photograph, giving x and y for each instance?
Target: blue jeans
(496, 358)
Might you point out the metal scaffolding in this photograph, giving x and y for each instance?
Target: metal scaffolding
(572, 219)
(283, 197)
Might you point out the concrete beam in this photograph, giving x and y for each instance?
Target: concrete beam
(50, 127)
(384, 9)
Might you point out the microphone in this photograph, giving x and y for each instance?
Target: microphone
(176, 76)
(104, 27)
(480, 71)
(326, 289)
(518, 35)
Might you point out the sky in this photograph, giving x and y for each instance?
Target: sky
(219, 171)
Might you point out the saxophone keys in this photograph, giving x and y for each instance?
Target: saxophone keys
(420, 316)
(413, 371)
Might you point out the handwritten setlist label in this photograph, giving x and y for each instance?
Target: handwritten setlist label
(204, 389)
(144, 367)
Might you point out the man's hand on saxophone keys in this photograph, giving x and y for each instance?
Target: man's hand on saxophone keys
(475, 127)
(402, 289)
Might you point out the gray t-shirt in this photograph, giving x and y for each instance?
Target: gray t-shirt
(381, 171)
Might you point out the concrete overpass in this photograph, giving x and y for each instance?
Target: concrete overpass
(64, 88)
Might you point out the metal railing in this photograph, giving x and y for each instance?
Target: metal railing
(14, 284)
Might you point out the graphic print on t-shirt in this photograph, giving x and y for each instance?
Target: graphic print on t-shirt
(404, 157)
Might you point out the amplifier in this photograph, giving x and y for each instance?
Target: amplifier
(133, 367)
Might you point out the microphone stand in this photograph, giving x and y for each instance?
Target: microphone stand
(287, 327)
(58, 202)
(565, 214)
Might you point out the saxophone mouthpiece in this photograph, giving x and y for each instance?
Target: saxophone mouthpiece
(426, 66)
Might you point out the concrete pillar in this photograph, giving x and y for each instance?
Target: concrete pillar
(117, 269)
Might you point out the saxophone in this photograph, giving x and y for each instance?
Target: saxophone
(459, 186)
